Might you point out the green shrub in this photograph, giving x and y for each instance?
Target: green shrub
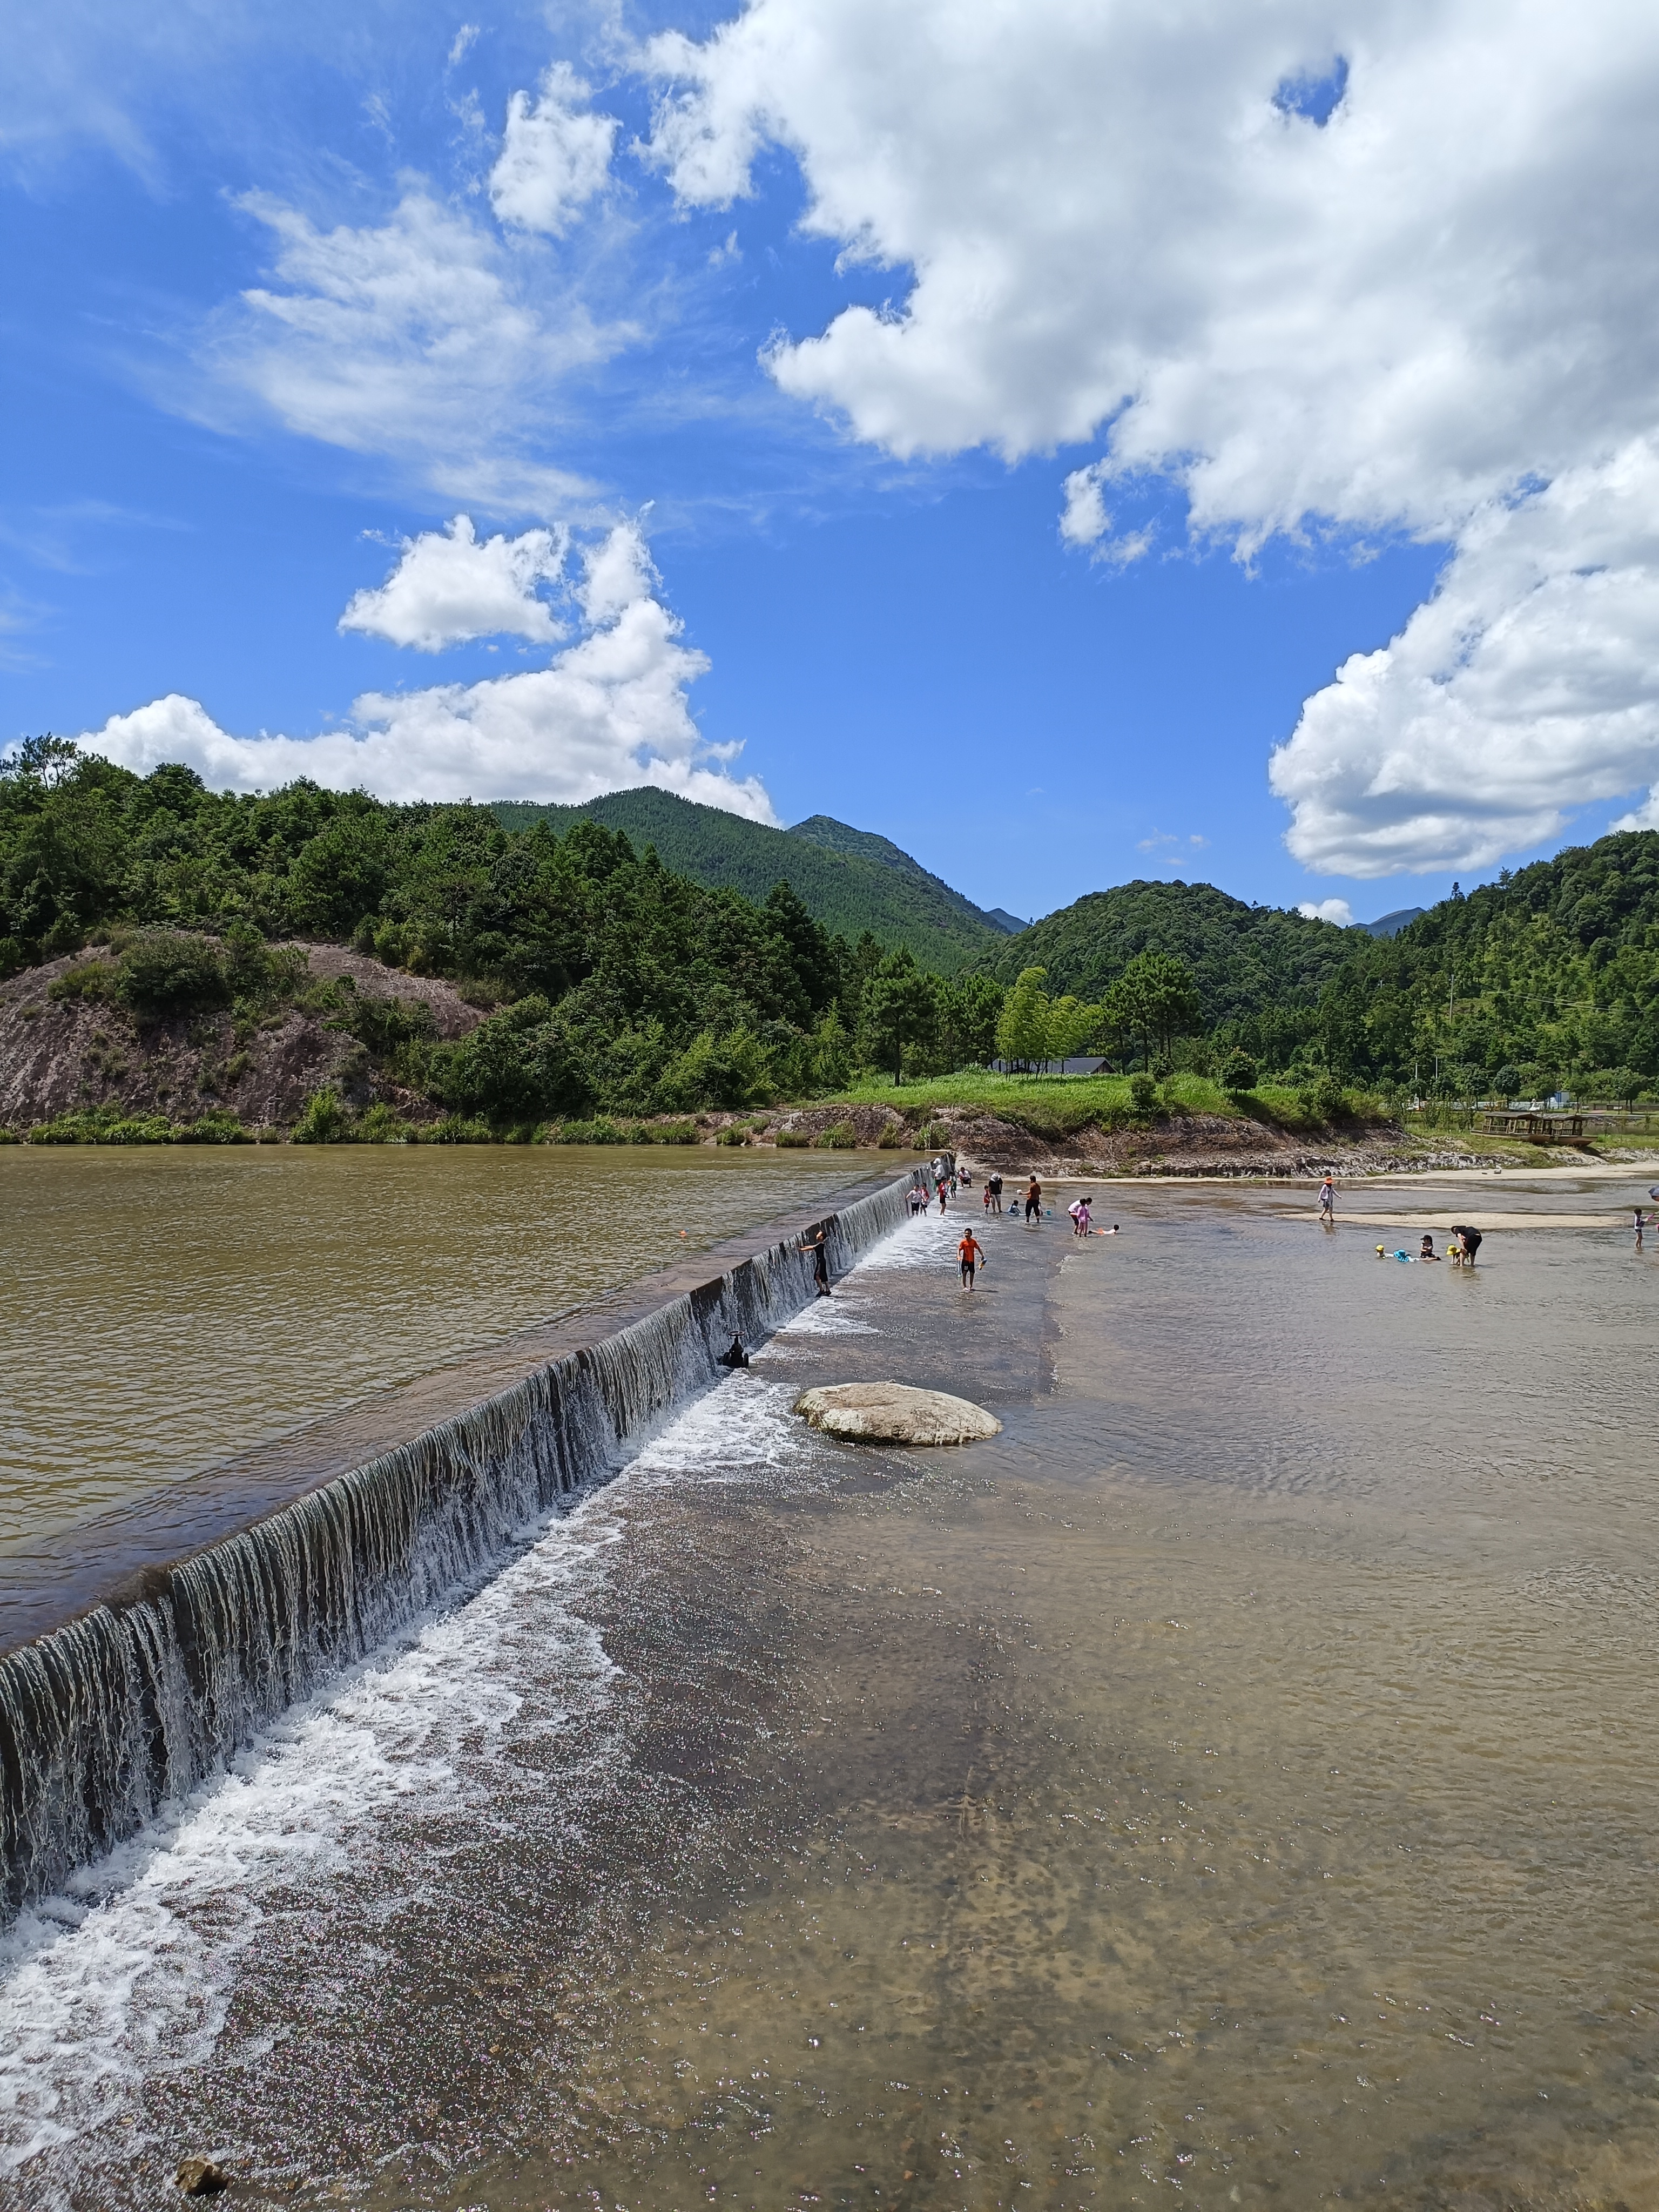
(380, 1124)
(216, 1126)
(326, 1120)
(9, 1137)
(454, 1129)
(599, 1132)
(792, 1140)
(843, 1137)
(730, 1070)
(671, 1132)
(105, 1125)
(167, 971)
(1324, 1100)
(1142, 1095)
(93, 979)
(1239, 1071)
(387, 1025)
(732, 1134)
(893, 1138)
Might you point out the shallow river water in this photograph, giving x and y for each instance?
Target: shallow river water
(1233, 1785)
(161, 1309)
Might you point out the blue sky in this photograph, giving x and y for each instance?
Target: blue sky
(1031, 567)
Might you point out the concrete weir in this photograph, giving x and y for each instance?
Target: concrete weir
(139, 1655)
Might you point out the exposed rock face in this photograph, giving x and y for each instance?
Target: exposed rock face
(870, 1124)
(62, 1055)
(894, 1414)
(200, 2176)
(1184, 1144)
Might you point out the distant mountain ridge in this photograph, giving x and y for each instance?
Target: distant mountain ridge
(1390, 924)
(849, 879)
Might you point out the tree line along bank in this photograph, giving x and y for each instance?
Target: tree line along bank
(610, 984)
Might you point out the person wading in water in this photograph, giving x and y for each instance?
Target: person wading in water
(970, 1251)
(815, 1244)
(1034, 1199)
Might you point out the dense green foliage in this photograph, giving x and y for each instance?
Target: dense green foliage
(1547, 977)
(620, 985)
(109, 1125)
(1244, 959)
(848, 880)
(621, 988)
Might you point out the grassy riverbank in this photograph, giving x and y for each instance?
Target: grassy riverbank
(1060, 1105)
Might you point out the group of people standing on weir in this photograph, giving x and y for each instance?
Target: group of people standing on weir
(949, 1178)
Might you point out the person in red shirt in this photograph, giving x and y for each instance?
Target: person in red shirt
(969, 1252)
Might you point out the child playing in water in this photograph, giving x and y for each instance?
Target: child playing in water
(1427, 1251)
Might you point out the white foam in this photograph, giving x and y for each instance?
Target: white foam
(929, 1241)
(134, 1984)
(131, 1973)
(830, 1318)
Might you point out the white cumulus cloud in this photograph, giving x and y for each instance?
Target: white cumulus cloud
(555, 156)
(608, 712)
(1527, 685)
(1084, 520)
(450, 585)
(1113, 225)
(1331, 910)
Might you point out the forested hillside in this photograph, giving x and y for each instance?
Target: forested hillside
(838, 837)
(1245, 959)
(1548, 976)
(612, 980)
(850, 880)
(620, 983)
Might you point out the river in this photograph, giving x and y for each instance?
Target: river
(161, 1309)
(1230, 1786)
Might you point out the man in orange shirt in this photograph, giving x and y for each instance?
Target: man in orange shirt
(969, 1252)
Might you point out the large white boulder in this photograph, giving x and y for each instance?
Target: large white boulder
(894, 1414)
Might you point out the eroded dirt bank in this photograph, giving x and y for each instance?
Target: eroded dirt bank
(68, 1055)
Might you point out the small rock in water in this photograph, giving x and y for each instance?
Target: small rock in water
(894, 1414)
(201, 2177)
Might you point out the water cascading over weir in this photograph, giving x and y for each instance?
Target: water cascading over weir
(129, 1705)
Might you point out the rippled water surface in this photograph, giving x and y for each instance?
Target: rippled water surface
(1233, 1785)
(161, 1309)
